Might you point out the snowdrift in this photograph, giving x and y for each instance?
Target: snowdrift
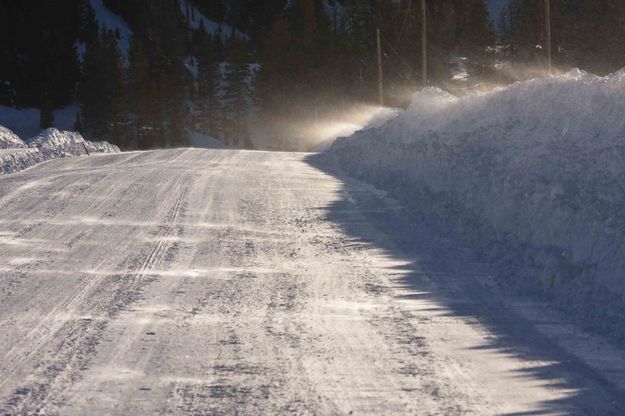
(532, 175)
(16, 155)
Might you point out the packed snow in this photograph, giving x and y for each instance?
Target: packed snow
(532, 175)
(204, 282)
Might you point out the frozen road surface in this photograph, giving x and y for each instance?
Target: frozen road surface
(197, 282)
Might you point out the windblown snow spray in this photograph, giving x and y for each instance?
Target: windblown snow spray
(321, 129)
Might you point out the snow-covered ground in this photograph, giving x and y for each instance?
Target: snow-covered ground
(532, 175)
(197, 282)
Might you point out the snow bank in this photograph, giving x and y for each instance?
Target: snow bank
(533, 175)
(54, 144)
(9, 140)
(14, 160)
(47, 145)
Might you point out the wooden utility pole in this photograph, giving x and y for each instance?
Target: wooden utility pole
(548, 33)
(424, 44)
(380, 81)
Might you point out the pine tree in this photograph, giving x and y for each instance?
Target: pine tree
(143, 105)
(525, 31)
(101, 92)
(297, 72)
(586, 34)
(89, 29)
(474, 34)
(208, 83)
(53, 65)
(158, 76)
(237, 94)
(474, 29)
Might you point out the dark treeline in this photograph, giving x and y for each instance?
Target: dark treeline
(589, 34)
(287, 60)
(174, 78)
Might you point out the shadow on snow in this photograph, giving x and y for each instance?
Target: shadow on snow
(441, 271)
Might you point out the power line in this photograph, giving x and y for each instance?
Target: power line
(405, 20)
(399, 56)
(380, 80)
(397, 70)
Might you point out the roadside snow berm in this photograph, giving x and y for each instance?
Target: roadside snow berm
(16, 155)
(532, 174)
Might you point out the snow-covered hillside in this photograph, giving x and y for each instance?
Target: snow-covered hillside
(112, 21)
(195, 18)
(532, 174)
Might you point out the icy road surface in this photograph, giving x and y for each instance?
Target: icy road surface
(197, 282)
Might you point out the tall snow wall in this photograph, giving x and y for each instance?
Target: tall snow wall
(533, 175)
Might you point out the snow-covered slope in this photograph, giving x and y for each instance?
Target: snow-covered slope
(533, 174)
(195, 18)
(112, 21)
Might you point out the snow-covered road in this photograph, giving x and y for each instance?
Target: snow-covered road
(197, 282)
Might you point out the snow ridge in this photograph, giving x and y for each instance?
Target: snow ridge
(532, 174)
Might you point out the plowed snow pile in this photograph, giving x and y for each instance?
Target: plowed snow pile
(533, 175)
(9, 140)
(16, 155)
(54, 143)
